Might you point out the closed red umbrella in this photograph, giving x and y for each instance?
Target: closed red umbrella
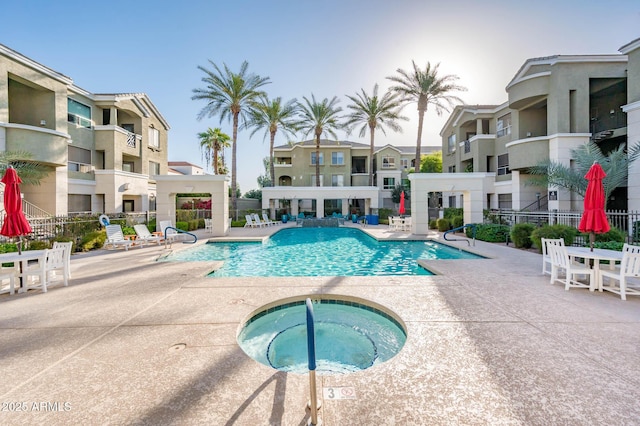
(15, 224)
(401, 210)
(594, 220)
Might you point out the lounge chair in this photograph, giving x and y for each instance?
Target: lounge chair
(268, 221)
(115, 238)
(257, 221)
(144, 236)
(170, 235)
(249, 222)
(629, 268)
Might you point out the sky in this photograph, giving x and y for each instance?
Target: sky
(324, 48)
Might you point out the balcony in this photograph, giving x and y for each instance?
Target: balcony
(525, 153)
(116, 138)
(46, 146)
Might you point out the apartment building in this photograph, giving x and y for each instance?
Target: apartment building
(554, 105)
(344, 166)
(102, 150)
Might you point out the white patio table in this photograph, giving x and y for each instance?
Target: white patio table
(23, 258)
(596, 255)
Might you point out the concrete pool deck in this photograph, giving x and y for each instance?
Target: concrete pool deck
(490, 341)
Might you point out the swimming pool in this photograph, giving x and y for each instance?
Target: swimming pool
(317, 252)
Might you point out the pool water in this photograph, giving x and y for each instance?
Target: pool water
(320, 252)
(350, 336)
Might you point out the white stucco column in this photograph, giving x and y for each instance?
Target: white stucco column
(633, 132)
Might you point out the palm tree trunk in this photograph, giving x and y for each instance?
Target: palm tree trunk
(318, 161)
(371, 131)
(272, 168)
(234, 203)
(416, 167)
(215, 160)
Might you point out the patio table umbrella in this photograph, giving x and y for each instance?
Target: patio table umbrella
(401, 210)
(594, 220)
(15, 224)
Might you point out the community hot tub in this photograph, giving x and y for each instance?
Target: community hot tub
(350, 334)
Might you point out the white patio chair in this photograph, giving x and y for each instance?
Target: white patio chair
(8, 274)
(394, 223)
(546, 259)
(168, 233)
(115, 238)
(560, 260)
(145, 236)
(629, 268)
(68, 246)
(406, 223)
(208, 225)
(44, 272)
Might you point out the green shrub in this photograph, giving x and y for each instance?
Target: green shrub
(238, 223)
(433, 224)
(38, 245)
(613, 235)
(568, 233)
(93, 240)
(490, 232)
(183, 226)
(8, 248)
(609, 245)
(442, 224)
(521, 234)
(451, 212)
(458, 221)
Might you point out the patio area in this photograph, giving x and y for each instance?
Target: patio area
(133, 341)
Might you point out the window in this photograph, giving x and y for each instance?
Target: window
(503, 125)
(79, 160)
(128, 206)
(504, 201)
(313, 159)
(79, 114)
(452, 201)
(451, 143)
(154, 137)
(337, 158)
(78, 203)
(337, 180)
(503, 164)
(452, 169)
(389, 183)
(404, 163)
(154, 168)
(313, 180)
(127, 166)
(388, 162)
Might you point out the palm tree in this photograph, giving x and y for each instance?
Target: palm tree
(319, 118)
(211, 143)
(30, 172)
(425, 88)
(272, 115)
(615, 164)
(373, 112)
(229, 95)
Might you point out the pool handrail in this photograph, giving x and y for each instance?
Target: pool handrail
(470, 225)
(311, 353)
(195, 238)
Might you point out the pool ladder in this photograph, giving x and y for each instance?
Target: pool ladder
(311, 353)
(195, 238)
(471, 225)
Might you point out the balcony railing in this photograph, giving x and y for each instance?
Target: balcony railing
(131, 140)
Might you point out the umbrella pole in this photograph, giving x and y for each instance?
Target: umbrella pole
(592, 239)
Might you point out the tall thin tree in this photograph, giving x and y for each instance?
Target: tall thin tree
(212, 142)
(373, 112)
(273, 115)
(229, 95)
(319, 118)
(425, 87)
